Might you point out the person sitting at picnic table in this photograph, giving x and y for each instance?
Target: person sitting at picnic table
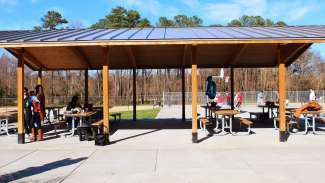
(74, 106)
(28, 114)
(238, 100)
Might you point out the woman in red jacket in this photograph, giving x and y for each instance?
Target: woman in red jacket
(38, 102)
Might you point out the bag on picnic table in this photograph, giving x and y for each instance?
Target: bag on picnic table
(310, 106)
(211, 89)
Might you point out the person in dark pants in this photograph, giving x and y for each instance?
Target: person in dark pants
(28, 114)
(38, 102)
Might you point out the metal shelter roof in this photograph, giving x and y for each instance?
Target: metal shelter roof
(162, 47)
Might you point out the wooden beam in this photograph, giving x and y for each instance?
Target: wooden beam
(183, 94)
(86, 88)
(194, 94)
(20, 96)
(130, 55)
(186, 52)
(39, 77)
(238, 53)
(232, 88)
(134, 94)
(77, 51)
(282, 97)
(160, 42)
(106, 95)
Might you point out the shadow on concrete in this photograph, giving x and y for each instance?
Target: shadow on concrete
(134, 136)
(39, 169)
(155, 124)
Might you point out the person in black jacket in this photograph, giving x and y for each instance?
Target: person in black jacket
(29, 127)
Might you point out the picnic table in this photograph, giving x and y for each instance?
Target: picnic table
(209, 109)
(313, 115)
(82, 116)
(224, 113)
(4, 120)
(270, 109)
(48, 110)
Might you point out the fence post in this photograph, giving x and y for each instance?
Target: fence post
(163, 98)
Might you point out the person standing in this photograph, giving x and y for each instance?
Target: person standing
(312, 95)
(260, 98)
(239, 100)
(219, 100)
(28, 114)
(39, 111)
(229, 99)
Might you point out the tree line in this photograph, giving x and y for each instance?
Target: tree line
(305, 73)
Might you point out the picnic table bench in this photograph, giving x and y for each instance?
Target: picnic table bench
(4, 121)
(117, 115)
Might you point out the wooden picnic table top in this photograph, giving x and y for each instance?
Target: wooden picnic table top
(227, 112)
(80, 114)
(314, 112)
(54, 107)
(269, 106)
(291, 109)
(8, 114)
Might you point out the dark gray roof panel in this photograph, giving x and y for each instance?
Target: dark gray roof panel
(80, 35)
(113, 34)
(180, 33)
(95, 35)
(157, 33)
(161, 33)
(143, 34)
(127, 34)
(203, 33)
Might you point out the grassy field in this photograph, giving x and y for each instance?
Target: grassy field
(141, 114)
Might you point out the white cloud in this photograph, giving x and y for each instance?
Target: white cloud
(295, 10)
(289, 11)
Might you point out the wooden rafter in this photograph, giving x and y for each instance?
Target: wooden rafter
(295, 54)
(30, 59)
(238, 53)
(131, 56)
(77, 51)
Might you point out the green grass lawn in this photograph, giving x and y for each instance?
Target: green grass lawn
(141, 114)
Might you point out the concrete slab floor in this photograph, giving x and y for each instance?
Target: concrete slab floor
(166, 155)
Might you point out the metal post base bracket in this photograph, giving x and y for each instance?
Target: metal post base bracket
(194, 138)
(21, 138)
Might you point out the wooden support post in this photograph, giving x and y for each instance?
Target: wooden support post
(232, 89)
(183, 94)
(106, 95)
(86, 88)
(20, 97)
(39, 77)
(282, 90)
(194, 95)
(134, 94)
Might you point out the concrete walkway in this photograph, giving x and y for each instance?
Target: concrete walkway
(166, 155)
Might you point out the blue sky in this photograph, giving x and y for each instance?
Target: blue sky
(24, 14)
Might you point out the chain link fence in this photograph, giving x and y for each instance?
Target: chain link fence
(172, 98)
